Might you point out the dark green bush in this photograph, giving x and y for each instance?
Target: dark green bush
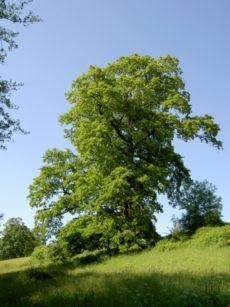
(86, 234)
(39, 274)
(90, 257)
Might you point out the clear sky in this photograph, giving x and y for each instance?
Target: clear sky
(77, 33)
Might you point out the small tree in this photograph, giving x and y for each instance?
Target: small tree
(202, 206)
(17, 240)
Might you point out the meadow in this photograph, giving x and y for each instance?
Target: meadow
(187, 275)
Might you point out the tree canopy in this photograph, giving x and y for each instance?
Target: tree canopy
(122, 123)
(11, 12)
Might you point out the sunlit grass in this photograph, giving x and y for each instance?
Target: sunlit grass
(14, 265)
(181, 277)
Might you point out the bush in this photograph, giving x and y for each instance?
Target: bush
(86, 234)
(52, 253)
(80, 235)
(168, 244)
(178, 236)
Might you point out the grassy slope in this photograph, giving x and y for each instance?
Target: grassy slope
(14, 265)
(182, 277)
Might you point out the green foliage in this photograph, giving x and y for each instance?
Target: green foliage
(11, 12)
(202, 207)
(16, 240)
(50, 254)
(203, 237)
(52, 192)
(122, 123)
(168, 244)
(81, 234)
(86, 234)
(212, 236)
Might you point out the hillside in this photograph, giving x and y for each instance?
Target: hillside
(189, 275)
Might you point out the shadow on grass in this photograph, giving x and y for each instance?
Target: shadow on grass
(60, 286)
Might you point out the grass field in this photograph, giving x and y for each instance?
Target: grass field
(181, 277)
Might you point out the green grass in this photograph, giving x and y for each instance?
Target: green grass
(182, 277)
(14, 265)
(204, 237)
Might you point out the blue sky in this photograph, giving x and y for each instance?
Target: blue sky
(75, 34)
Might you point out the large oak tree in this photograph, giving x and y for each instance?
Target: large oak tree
(122, 122)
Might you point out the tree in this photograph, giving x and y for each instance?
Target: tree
(10, 12)
(122, 122)
(16, 240)
(202, 206)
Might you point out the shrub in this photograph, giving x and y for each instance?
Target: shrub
(80, 235)
(86, 234)
(168, 244)
(53, 253)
